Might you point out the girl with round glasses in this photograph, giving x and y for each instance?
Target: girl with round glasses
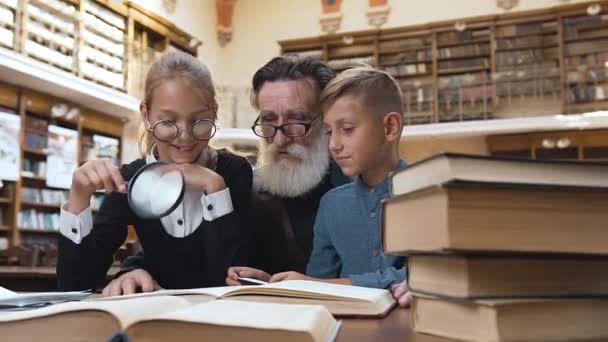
(192, 246)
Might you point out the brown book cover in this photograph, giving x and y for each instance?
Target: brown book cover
(448, 167)
(512, 320)
(480, 276)
(492, 217)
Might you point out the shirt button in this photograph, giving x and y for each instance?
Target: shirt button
(373, 214)
(376, 252)
(372, 191)
(180, 221)
(74, 230)
(210, 207)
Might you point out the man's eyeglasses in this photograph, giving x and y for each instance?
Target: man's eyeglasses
(168, 130)
(292, 130)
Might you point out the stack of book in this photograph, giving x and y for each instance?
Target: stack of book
(503, 249)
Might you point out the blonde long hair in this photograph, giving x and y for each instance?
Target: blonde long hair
(170, 66)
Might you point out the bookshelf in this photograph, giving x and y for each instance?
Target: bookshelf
(409, 58)
(528, 63)
(93, 39)
(585, 58)
(29, 207)
(527, 73)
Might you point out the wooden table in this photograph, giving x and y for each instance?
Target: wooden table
(33, 279)
(394, 327)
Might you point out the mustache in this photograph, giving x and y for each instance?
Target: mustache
(296, 150)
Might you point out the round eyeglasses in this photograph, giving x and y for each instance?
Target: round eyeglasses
(292, 130)
(168, 130)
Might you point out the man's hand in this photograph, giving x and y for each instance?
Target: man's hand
(291, 275)
(246, 272)
(130, 282)
(401, 293)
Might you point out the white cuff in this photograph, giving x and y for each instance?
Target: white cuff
(216, 205)
(75, 227)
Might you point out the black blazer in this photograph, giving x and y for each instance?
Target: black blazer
(198, 260)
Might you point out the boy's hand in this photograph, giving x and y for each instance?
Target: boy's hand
(401, 293)
(291, 275)
(247, 272)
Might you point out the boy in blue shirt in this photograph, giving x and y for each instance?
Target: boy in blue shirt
(362, 114)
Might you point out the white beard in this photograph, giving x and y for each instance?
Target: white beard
(288, 178)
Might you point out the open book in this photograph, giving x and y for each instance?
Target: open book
(169, 318)
(13, 300)
(341, 300)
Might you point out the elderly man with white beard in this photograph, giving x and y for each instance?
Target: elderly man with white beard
(295, 168)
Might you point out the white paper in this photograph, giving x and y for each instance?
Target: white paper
(6, 293)
(10, 157)
(62, 158)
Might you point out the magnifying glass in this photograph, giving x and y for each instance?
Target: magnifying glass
(156, 190)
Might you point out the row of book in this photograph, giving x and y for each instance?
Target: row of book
(573, 24)
(418, 96)
(407, 57)
(456, 37)
(35, 140)
(464, 63)
(467, 94)
(422, 43)
(587, 93)
(34, 168)
(588, 75)
(345, 63)
(502, 249)
(593, 59)
(525, 29)
(43, 196)
(526, 42)
(531, 56)
(544, 70)
(407, 69)
(464, 51)
(536, 87)
(34, 219)
(469, 79)
(586, 47)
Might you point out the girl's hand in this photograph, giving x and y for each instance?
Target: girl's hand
(92, 176)
(203, 178)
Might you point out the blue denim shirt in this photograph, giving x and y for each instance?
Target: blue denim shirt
(347, 240)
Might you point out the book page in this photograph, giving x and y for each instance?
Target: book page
(6, 293)
(248, 314)
(315, 290)
(289, 288)
(215, 292)
(125, 311)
